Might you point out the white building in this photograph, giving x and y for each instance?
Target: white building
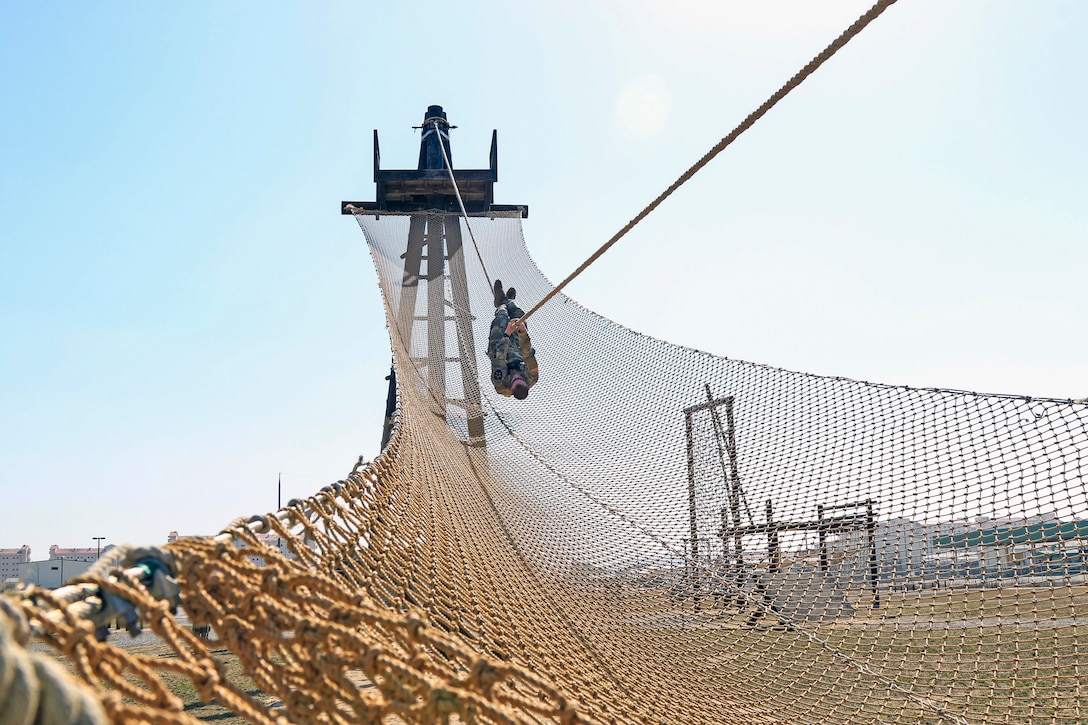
(11, 560)
(62, 565)
(88, 554)
(52, 573)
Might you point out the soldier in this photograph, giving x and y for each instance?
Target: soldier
(513, 359)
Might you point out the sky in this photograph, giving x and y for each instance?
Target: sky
(186, 319)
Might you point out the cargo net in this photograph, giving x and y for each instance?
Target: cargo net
(656, 534)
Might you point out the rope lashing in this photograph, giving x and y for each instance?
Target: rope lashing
(747, 123)
(151, 567)
(432, 119)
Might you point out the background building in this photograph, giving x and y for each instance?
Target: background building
(270, 539)
(62, 565)
(89, 554)
(11, 560)
(52, 573)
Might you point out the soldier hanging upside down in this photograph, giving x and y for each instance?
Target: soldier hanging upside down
(513, 359)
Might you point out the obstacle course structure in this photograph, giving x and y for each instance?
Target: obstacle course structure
(435, 240)
(550, 575)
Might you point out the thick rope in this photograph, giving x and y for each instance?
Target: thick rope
(747, 123)
(34, 688)
(460, 202)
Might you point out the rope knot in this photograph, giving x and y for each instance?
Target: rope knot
(442, 703)
(484, 676)
(369, 661)
(414, 626)
(341, 615)
(209, 683)
(270, 582)
(307, 629)
(81, 634)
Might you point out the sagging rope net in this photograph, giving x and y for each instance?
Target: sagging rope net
(656, 535)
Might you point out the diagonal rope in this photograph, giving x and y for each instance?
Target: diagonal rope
(801, 75)
(460, 202)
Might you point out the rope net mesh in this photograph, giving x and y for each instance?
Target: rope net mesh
(656, 535)
(740, 541)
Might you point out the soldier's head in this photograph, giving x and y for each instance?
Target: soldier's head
(519, 387)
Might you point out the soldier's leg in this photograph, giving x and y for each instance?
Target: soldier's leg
(498, 344)
(514, 360)
(498, 327)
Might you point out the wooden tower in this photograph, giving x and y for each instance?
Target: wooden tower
(437, 240)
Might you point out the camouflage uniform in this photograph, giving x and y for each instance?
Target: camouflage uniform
(510, 355)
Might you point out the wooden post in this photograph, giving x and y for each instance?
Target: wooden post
(463, 322)
(436, 309)
(427, 194)
(409, 285)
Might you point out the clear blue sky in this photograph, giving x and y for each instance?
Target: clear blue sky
(184, 315)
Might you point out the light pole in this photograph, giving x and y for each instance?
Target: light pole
(99, 540)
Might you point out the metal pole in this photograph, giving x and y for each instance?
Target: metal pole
(821, 530)
(99, 540)
(734, 474)
(691, 510)
(874, 573)
(772, 541)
